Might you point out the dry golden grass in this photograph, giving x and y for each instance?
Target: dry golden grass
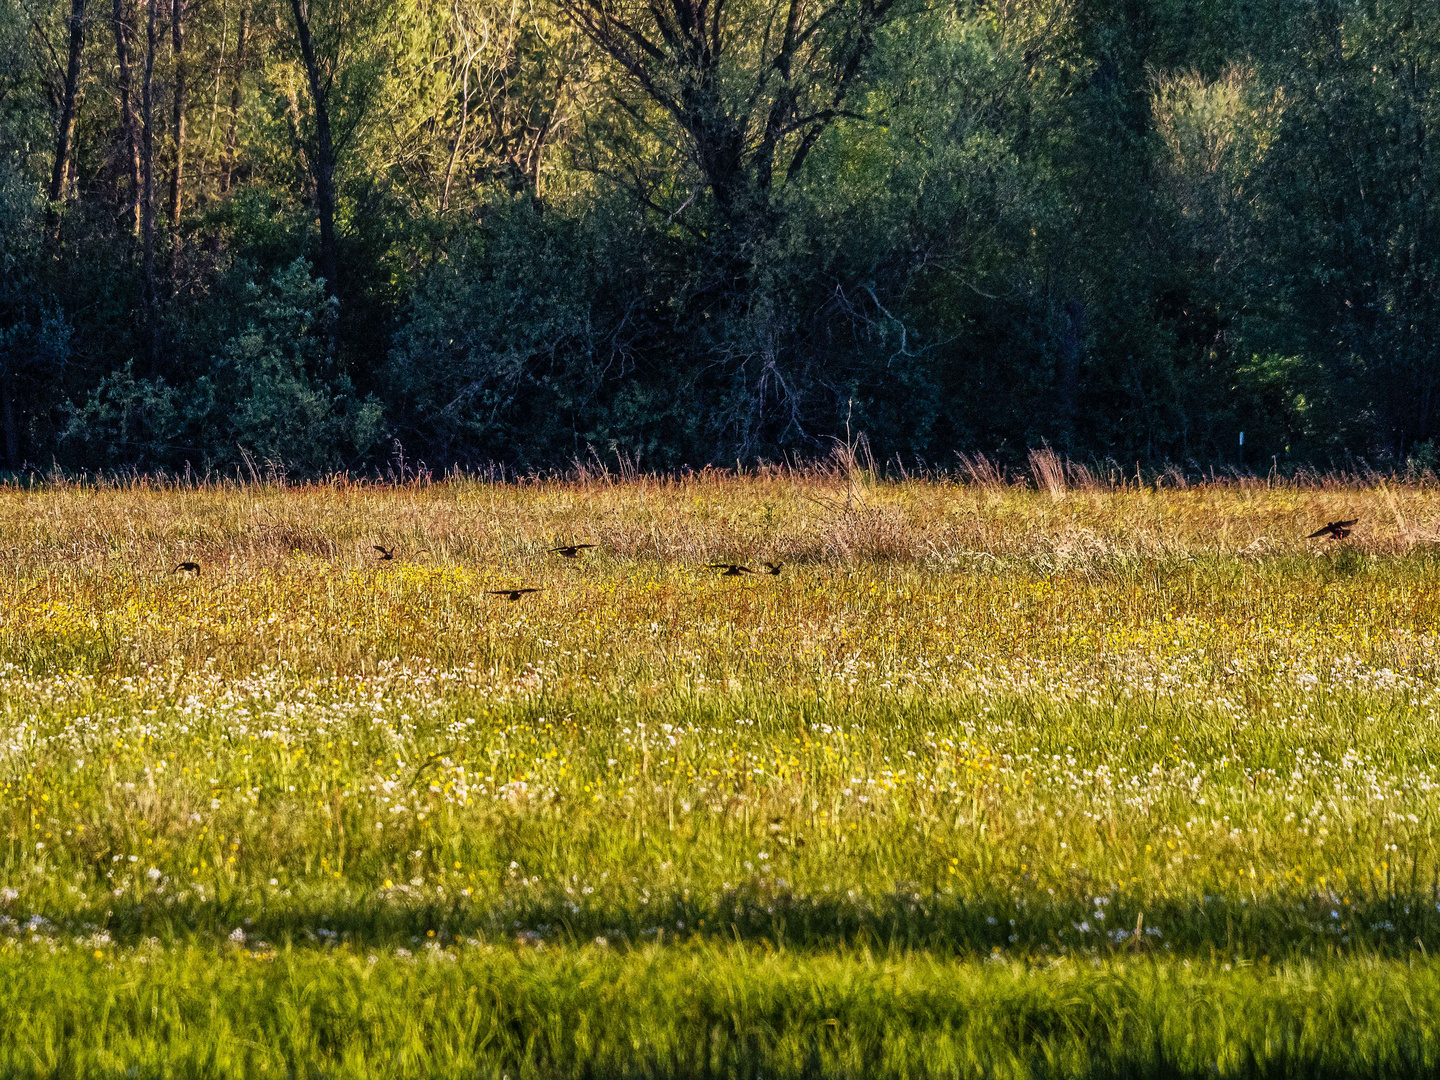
(291, 573)
(814, 518)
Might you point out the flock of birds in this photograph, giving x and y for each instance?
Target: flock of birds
(567, 551)
(1334, 530)
(572, 551)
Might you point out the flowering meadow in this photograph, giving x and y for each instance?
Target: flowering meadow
(985, 781)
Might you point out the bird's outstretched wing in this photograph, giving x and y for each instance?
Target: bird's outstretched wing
(1333, 527)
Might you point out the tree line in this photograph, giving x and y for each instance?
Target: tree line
(307, 231)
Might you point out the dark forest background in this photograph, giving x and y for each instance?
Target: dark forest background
(691, 231)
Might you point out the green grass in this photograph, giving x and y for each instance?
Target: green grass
(706, 1011)
(1117, 783)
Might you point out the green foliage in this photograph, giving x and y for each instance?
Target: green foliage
(125, 419)
(1347, 194)
(510, 339)
(274, 394)
(583, 224)
(275, 389)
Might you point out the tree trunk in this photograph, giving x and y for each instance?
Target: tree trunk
(67, 120)
(127, 119)
(147, 184)
(227, 167)
(324, 170)
(177, 123)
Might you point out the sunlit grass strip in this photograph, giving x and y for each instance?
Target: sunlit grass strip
(993, 820)
(700, 1012)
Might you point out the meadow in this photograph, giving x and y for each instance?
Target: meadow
(1061, 779)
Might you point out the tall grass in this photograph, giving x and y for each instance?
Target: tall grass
(704, 1011)
(1076, 747)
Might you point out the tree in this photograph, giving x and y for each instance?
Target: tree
(147, 188)
(232, 121)
(66, 131)
(127, 116)
(343, 50)
(1345, 267)
(320, 82)
(752, 84)
(177, 126)
(502, 81)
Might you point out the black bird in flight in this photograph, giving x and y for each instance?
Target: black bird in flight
(773, 568)
(513, 594)
(1336, 530)
(730, 569)
(386, 554)
(187, 567)
(571, 551)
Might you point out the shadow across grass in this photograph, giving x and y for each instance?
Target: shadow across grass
(942, 924)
